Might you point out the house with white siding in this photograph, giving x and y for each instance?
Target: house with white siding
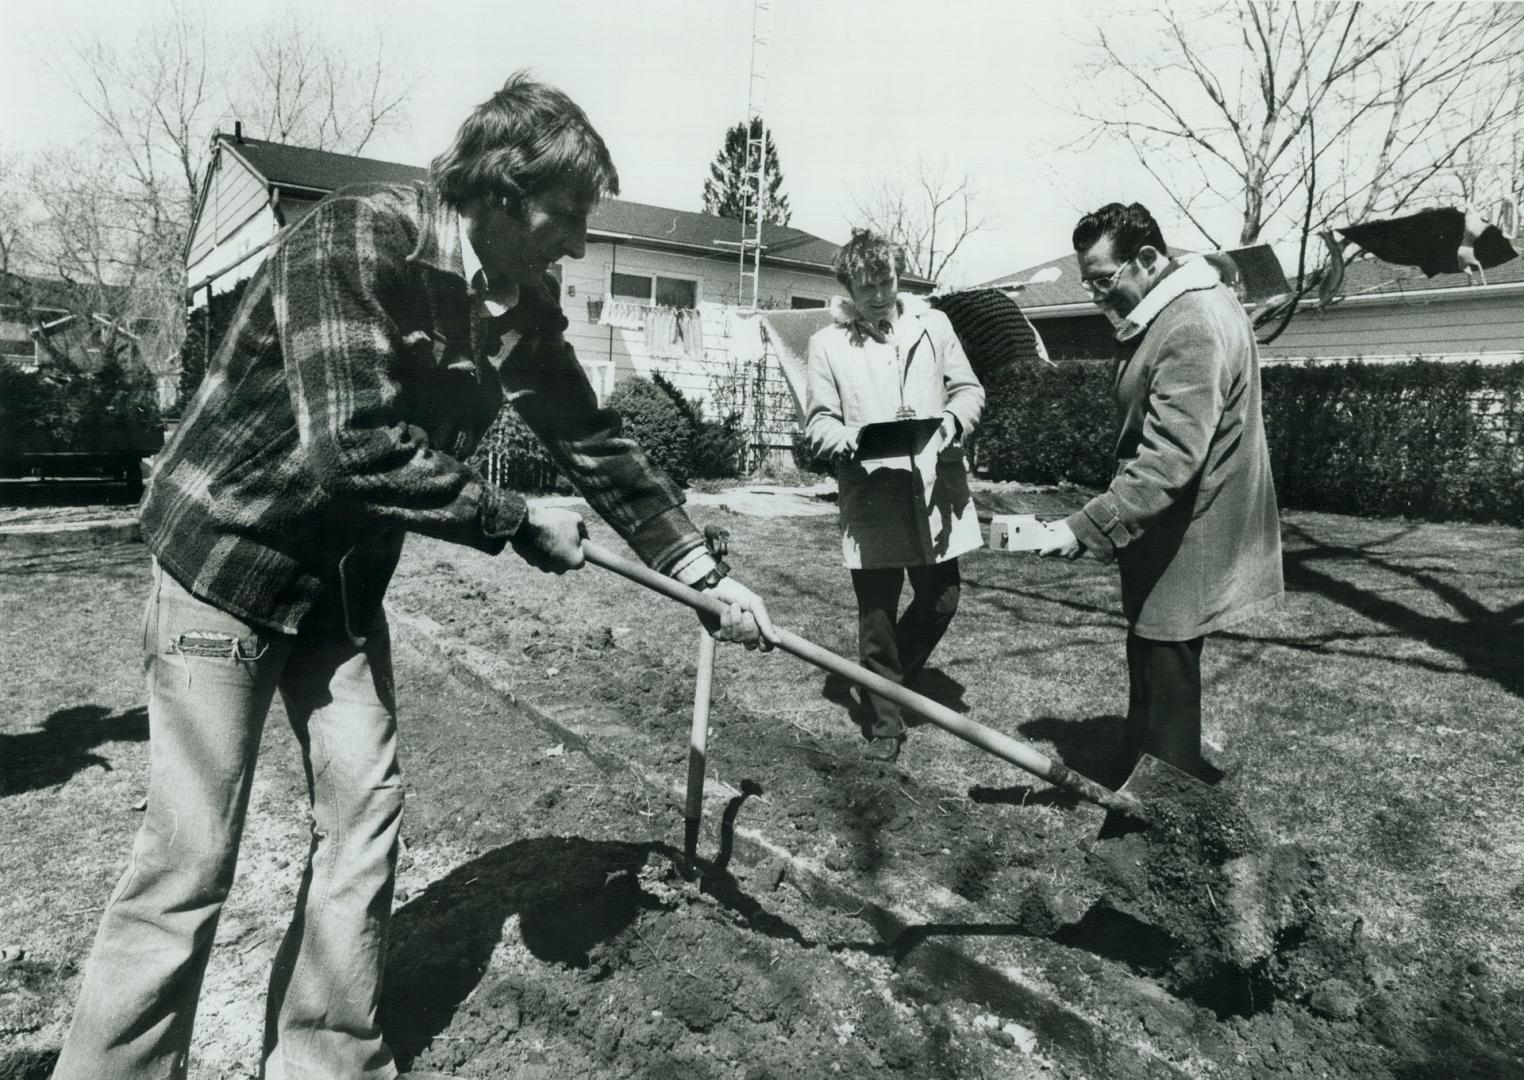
(658, 290)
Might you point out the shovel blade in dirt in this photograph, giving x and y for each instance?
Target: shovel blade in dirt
(1151, 782)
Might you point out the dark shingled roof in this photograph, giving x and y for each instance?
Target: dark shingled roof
(296, 166)
(1365, 276)
(289, 166)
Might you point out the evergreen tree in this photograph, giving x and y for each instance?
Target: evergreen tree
(727, 174)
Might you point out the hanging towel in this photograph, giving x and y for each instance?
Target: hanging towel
(662, 341)
(690, 331)
(623, 315)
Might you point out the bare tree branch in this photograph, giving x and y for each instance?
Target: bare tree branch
(119, 213)
(930, 213)
(1398, 93)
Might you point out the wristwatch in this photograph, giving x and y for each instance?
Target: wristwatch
(714, 577)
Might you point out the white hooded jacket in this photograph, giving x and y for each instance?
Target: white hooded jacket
(913, 510)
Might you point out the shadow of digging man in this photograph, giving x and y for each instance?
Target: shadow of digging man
(64, 745)
(570, 895)
(574, 898)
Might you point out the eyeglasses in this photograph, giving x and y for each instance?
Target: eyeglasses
(1102, 286)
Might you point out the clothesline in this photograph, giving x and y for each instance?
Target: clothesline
(671, 333)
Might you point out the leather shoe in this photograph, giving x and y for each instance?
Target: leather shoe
(884, 748)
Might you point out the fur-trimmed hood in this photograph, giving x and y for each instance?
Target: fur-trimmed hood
(844, 311)
(1190, 274)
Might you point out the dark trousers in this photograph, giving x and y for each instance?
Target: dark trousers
(1163, 703)
(898, 649)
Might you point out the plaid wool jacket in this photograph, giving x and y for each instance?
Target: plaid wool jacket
(355, 379)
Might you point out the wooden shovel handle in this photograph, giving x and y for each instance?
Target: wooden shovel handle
(1001, 745)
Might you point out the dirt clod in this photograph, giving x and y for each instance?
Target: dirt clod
(1336, 1000)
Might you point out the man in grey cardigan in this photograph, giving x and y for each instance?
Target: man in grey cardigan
(1190, 513)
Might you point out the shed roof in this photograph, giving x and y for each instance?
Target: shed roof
(1366, 276)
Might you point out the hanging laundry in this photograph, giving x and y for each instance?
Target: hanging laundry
(690, 331)
(623, 315)
(1432, 241)
(661, 334)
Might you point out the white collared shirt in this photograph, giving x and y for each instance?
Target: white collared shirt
(494, 302)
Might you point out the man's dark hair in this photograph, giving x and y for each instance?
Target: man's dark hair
(1131, 229)
(524, 139)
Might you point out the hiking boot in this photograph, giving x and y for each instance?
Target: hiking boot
(884, 748)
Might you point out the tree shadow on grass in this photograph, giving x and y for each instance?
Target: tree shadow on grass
(28, 1064)
(573, 898)
(64, 746)
(1488, 642)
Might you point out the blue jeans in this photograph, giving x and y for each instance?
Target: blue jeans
(211, 679)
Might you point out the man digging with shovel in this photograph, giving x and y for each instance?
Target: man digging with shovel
(1190, 513)
(373, 348)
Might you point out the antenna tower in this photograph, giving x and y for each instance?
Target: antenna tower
(754, 192)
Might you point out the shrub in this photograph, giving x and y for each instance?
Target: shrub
(714, 445)
(1417, 439)
(806, 460)
(1045, 425)
(656, 423)
(113, 406)
(512, 456)
(717, 445)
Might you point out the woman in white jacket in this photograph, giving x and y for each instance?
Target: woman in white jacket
(890, 356)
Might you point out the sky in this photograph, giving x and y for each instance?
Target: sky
(854, 92)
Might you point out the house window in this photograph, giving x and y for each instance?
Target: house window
(804, 303)
(658, 290)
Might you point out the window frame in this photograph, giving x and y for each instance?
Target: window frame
(653, 276)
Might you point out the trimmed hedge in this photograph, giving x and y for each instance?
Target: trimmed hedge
(1418, 439)
(1046, 425)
